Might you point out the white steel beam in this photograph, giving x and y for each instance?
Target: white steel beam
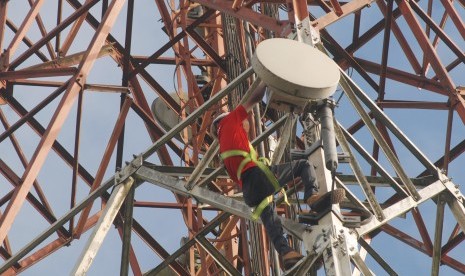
(103, 226)
(403, 206)
(438, 236)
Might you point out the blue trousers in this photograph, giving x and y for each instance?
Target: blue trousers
(256, 187)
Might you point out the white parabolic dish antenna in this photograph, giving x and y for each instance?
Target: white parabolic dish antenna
(166, 117)
(294, 71)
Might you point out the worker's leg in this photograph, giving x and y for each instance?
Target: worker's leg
(298, 168)
(274, 229)
(255, 186)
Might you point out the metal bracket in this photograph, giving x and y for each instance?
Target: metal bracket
(313, 106)
(306, 32)
(442, 176)
(315, 237)
(335, 243)
(80, 80)
(451, 187)
(4, 60)
(128, 170)
(342, 249)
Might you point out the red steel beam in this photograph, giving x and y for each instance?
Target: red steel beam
(440, 32)
(405, 238)
(409, 240)
(43, 32)
(423, 230)
(450, 117)
(73, 32)
(57, 147)
(145, 236)
(413, 104)
(172, 61)
(401, 39)
(117, 130)
(20, 34)
(337, 7)
(453, 243)
(370, 33)
(404, 77)
(24, 162)
(6, 255)
(385, 50)
(153, 127)
(42, 253)
(280, 28)
(6, 245)
(357, 20)
(27, 116)
(168, 45)
(26, 40)
(324, 6)
(14, 179)
(38, 83)
(37, 73)
(428, 49)
(454, 153)
(426, 64)
(140, 101)
(167, 205)
(53, 246)
(208, 50)
(120, 52)
(75, 173)
(58, 119)
(225, 235)
(300, 9)
(331, 17)
(52, 33)
(3, 11)
(455, 17)
(337, 51)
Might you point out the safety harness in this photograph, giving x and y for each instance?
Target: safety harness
(262, 163)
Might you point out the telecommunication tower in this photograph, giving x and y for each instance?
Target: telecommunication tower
(107, 165)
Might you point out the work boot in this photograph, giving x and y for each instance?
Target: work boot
(319, 203)
(291, 258)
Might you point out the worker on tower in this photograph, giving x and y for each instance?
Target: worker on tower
(258, 181)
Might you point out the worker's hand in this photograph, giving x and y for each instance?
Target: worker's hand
(255, 97)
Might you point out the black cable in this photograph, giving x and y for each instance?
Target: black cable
(333, 185)
(174, 79)
(292, 172)
(340, 97)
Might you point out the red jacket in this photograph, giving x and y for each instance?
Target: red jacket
(232, 136)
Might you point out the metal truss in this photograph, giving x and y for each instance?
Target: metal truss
(76, 82)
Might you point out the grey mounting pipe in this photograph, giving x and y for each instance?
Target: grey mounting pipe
(328, 136)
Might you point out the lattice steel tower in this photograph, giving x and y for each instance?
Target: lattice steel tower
(107, 104)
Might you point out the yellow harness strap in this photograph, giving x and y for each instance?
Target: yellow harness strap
(262, 163)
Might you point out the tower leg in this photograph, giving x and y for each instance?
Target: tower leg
(103, 226)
